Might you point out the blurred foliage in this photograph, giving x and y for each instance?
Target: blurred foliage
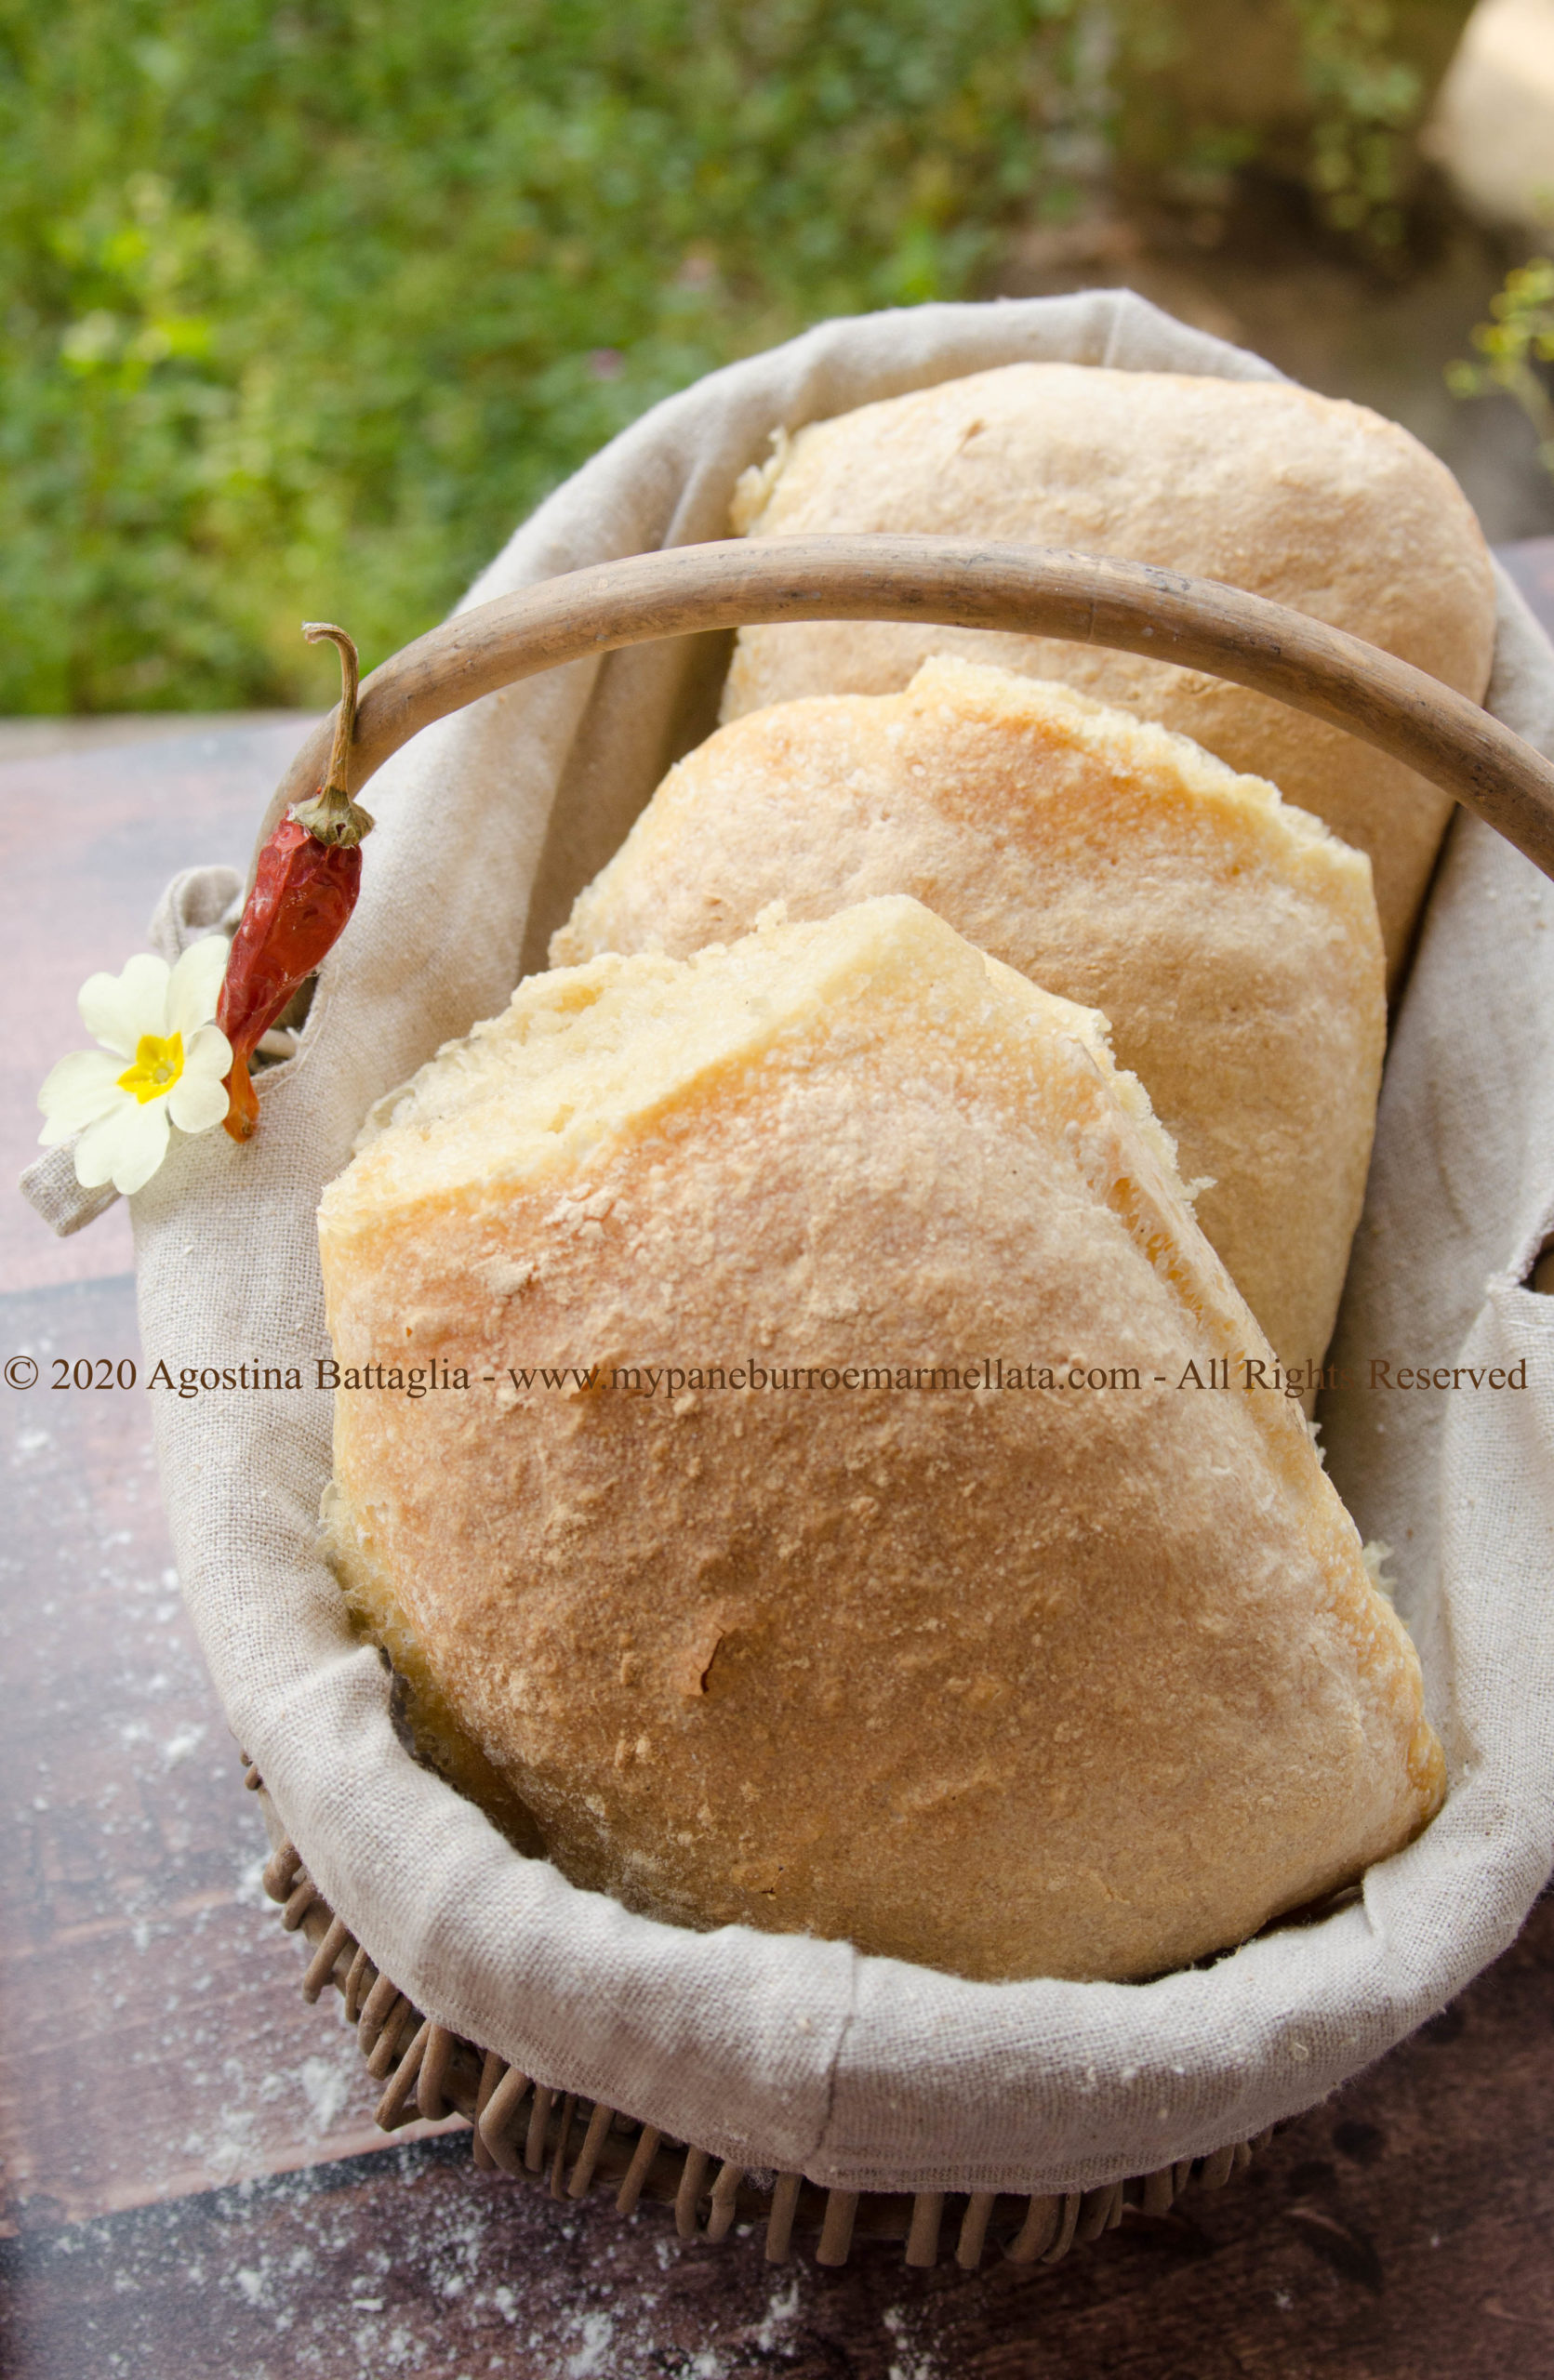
(1366, 102)
(1513, 343)
(303, 306)
(1330, 92)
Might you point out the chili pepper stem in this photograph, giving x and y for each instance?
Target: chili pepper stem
(332, 817)
(345, 718)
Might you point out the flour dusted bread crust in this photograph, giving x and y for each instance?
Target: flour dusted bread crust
(1008, 1680)
(1310, 501)
(1230, 941)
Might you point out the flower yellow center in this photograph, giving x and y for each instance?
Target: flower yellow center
(158, 1065)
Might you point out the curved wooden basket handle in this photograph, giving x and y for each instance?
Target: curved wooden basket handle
(1130, 606)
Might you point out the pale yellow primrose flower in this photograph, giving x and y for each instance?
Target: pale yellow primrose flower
(157, 1018)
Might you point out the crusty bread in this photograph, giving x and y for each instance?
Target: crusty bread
(1041, 1679)
(1230, 941)
(1315, 503)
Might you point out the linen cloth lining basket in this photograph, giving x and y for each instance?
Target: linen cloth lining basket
(780, 2054)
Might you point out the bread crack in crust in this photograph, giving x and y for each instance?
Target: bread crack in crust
(1231, 940)
(1037, 1680)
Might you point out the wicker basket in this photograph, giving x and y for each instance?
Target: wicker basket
(521, 2126)
(554, 2141)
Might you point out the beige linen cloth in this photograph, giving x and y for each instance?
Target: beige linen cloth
(782, 2051)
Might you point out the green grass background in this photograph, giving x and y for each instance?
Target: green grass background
(303, 306)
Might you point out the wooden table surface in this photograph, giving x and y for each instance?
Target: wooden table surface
(193, 2181)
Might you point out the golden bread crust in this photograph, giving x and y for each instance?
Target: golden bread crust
(1308, 501)
(1230, 941)
(1004, 1682)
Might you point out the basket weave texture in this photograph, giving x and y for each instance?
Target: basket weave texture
(573, 2146)
(783, 2052)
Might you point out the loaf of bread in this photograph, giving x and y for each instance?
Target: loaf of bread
(1312, 502)
(1230, 941)
(845, 1527)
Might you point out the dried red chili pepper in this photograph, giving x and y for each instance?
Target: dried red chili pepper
(305, 888)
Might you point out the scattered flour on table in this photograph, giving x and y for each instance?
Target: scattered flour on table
(910, 2362)
(326, 2084)
(593, 2356)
